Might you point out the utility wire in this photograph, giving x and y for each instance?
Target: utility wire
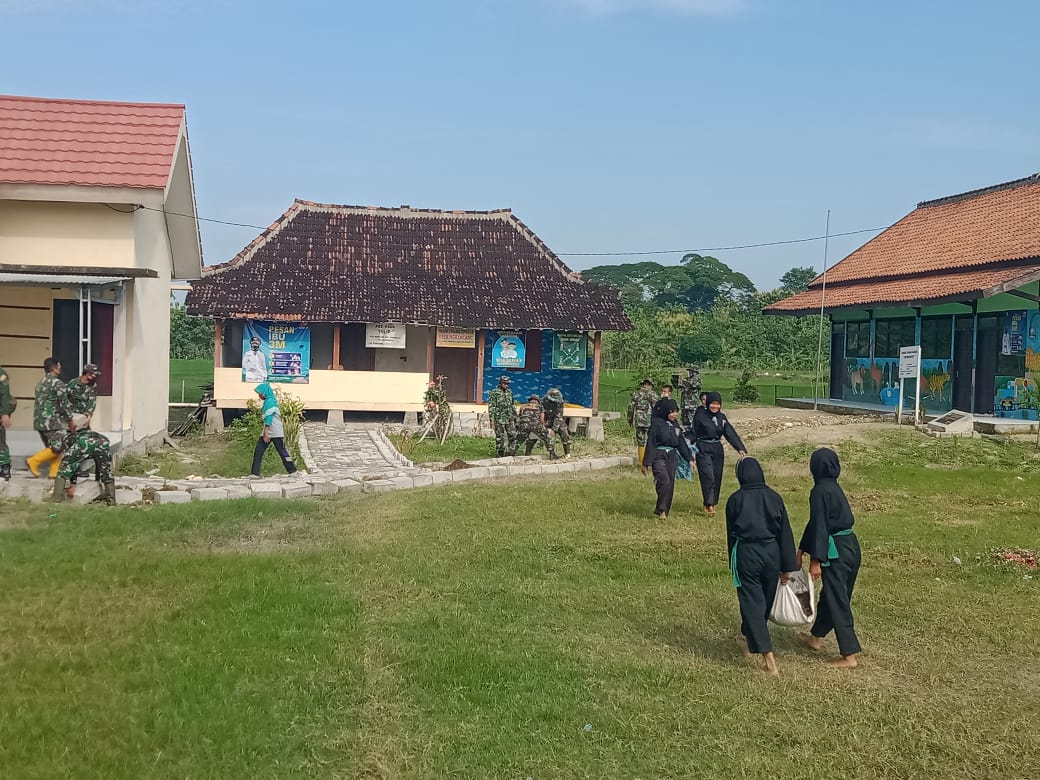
(570, 254)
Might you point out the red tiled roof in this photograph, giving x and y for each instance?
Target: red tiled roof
(908, 291)
(963, 246)
(87, 143)
(470, 269)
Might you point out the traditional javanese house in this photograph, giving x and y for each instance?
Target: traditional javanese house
(957, 276)
(358, 308)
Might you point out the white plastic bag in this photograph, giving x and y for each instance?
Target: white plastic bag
(795, 601)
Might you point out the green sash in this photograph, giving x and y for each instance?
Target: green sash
(832, 549)
(733, 564)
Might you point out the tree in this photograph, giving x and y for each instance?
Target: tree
(191, 338)
(797, 279)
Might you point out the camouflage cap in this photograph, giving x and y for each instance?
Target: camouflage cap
(92, 368)
(554, 394)
(503, 379)
(532, 398)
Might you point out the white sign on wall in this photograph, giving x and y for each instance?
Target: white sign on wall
(909, 362)
(385, 335)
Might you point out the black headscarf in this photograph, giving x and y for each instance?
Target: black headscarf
(749, 473)
(824, 464)
(664, 407)
(714, 396)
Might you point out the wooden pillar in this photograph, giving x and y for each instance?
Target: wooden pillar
(480, 367)
(431, 342)
(218, 339)
(597, 351)
(336, 328)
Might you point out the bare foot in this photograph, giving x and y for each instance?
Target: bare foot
(810, 641)
(769, 665)
(662, 515)
(845, 662)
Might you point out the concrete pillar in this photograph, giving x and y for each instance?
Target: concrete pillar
(595, 428)
(334, 418)
(214, 420)
(411, 419)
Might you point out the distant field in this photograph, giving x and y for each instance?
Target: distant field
(187, 377)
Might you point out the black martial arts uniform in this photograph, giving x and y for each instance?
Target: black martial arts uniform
(829, 539)
(665, 444)
(708, 431)
(761, 546)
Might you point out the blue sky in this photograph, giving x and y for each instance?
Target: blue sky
(606, 125)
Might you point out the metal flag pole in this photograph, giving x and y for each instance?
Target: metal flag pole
(823, 296)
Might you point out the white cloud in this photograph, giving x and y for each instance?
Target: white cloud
(690, 7)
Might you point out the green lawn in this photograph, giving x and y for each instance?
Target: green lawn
(474, 630)
(187, 377)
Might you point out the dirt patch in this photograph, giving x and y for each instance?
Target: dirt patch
(457, 465)
(773, 426)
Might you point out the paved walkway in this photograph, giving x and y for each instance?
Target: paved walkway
(353, 459)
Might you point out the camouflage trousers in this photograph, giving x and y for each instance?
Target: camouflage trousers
(53, 439)
(84, 448)
(641, 434)
(505, 437)
(5, 453)
(541, 433)
(559, 427)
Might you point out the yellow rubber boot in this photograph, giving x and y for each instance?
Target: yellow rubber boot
(36, 461)
(55, 464)
(640, 450)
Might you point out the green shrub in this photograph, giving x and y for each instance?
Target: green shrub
(743, 391)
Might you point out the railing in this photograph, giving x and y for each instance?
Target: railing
(617, 400)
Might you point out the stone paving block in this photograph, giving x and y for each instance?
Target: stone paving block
(582, 465)
(403, 483)
(464, 475)
(599, 463)
(441, 477)
(565, 468)
(377, 485)
(208, 494)
(87, 491)
(498, 471)
(125, 496)
(324, 488)
(347, 485)
(265, 489)
(549, 468)
(172, 497)
(422, 480)
(296, 489)
(238, 491)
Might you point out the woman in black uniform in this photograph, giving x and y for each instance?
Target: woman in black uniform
(665, 444)
(709, 428)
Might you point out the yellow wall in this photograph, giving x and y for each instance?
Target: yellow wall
(396, 391)
(87, 234)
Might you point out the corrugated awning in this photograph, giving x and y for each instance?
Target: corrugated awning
(51, 280)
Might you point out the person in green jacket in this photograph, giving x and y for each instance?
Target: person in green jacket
(8, 403)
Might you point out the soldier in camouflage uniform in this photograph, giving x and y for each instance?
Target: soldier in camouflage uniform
(8, 403)
(689, 390)
(437, 408)
(82, 394)
(84, 445)
(639, 410)
(532, 427)
(554, 420)
(502, 411)
(50, 417)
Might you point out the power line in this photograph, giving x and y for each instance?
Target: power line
(570, 254)
(719, 248)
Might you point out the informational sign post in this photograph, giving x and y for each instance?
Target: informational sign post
(385, 335)
(909, 368)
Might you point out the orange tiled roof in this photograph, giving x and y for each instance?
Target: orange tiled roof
(87, 143)
(908, 291)
(962, 246)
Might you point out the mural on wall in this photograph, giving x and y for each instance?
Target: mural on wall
(1018, 397)
(876, 381)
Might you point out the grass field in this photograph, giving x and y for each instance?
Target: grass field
(508, 630)
(187, 377)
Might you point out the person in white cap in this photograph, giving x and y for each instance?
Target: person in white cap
(254, 362)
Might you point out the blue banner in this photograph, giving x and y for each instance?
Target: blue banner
(276, 352)
(508, 351)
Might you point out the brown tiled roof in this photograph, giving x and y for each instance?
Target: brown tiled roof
(473, 269)
(960, 247)
(87, 142)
